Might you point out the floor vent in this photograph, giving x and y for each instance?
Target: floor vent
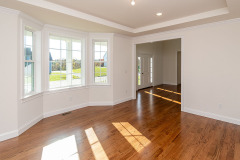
(64, 114)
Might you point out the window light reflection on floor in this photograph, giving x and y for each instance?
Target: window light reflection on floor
(132, 135)
(64, 149)
(96, 146)
(165, 98)
(168, 91)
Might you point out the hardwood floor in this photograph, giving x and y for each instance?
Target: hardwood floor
(151, 127)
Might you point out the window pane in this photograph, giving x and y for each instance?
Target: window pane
(76, 67)
(66, 80)
(97, 66)
(76, 79)
(104, 56)
(104, 46)
(54, 43)
(97, 47)
(76, 45)
(104, 67)
(28, 53)
(55, 54)
(97, 56)
(28, 38)
(28, 77)
(76, 55)
(63, 44)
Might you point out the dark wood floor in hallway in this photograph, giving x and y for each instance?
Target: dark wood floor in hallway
(150, 127)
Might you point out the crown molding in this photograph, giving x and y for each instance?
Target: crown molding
(191, 18)
(71, 12)
(9, 11)
(75, 13)
(177, 33)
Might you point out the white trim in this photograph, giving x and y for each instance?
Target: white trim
(122, 100)
(29, 124)
(8, 135)
(107, 103)
(212, 115)
(75, 13)
(191, 18)
(169, 83)
(60, 111)
(31, 97)
(31, 21)
(134, 72)
(160, 36)
(9, 11)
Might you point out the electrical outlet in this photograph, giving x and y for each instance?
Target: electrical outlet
(220, 106)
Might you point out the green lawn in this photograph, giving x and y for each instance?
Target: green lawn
(56, 76)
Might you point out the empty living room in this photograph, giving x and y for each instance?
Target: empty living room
(120, 80)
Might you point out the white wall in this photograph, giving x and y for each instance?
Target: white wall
(169, 51)
(210, 73)
(122, 68)
(8, 77)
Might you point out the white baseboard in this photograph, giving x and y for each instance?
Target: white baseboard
(15, 133)
(122, 100)
(110, 103)
(170, 83)
(8, 135)
(60, 111)
(212, 115)
(29, 124)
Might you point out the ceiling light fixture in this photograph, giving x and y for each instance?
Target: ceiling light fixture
(133, 2)
(159, 14)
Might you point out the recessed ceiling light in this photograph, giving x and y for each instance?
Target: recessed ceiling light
(159, 14)
(133, 2)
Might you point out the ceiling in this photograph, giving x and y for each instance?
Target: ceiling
(144, 12)
(120, 17)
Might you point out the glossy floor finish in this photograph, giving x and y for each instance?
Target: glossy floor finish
(151, 127)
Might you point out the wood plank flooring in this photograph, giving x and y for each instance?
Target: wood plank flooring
(150, 127)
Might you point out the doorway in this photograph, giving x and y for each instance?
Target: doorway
(144, 71)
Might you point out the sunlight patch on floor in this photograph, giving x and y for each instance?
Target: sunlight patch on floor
(96, 146)
(132, 135)
(165, 98)
(64, 149)
(168, 91)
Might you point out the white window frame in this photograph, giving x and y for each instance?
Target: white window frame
(108, 60)
(28, 23)
(26, 28)
(50, 30)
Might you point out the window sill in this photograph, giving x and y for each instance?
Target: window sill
(31, 97)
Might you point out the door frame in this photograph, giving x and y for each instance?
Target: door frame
(156, 39)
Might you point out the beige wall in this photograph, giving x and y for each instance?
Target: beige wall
(169, 50)
(122, 72)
